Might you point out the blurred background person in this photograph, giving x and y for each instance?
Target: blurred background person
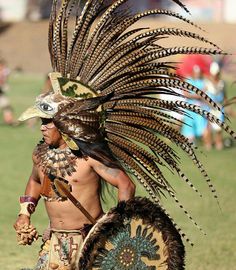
(216, 90)
(194, 124)
(173, 95)
(5, 106)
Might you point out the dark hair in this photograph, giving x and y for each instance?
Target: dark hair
(97, 150)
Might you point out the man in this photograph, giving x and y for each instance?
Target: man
(85, 185)
(104, 115)
(216, 89)
(195, 125)
(5, 105)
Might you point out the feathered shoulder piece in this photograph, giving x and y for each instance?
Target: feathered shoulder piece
(112, 73)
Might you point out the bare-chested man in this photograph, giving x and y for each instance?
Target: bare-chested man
(63, 215)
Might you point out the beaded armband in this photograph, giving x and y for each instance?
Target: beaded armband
(28, 205)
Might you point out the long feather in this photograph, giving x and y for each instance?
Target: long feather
(128, 68)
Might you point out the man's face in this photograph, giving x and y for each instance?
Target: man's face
(50, 133)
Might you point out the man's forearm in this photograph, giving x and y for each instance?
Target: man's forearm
(29, 200)
(33, 189)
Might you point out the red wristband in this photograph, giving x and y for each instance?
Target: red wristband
(27, 198)
(27, 204)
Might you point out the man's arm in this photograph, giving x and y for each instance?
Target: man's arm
(116, 177)
(33, 189)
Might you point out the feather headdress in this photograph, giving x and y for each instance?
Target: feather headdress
(110, 74)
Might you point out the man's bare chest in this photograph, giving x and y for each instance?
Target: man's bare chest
(82, 174)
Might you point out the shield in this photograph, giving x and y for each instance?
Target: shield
(136, 235)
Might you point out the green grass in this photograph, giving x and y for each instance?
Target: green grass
(214, 251)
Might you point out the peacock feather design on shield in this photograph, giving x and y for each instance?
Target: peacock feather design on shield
(129, 250)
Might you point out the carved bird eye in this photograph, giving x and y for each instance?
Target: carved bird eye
(46, 107)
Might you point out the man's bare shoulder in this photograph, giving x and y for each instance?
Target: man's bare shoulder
(99, 167)
(93, 163)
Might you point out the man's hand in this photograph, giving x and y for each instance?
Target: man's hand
(21, 221)
(26, 233)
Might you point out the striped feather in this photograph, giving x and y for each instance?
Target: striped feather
(107, 53)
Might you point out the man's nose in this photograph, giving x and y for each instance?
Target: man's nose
(43, 127)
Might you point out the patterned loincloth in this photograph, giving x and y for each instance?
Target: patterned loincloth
(61, 251)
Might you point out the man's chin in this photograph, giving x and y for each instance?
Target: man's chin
(47, 141)
(51, 144)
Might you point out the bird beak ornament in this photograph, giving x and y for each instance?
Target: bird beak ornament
(65, 92)
(47, 105)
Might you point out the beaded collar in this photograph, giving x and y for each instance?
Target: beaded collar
(60, 162)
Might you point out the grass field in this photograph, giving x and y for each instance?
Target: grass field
(216, 251)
